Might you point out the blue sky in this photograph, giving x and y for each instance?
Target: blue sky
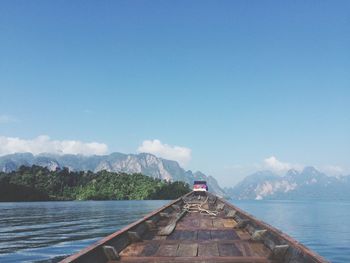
(232, 83)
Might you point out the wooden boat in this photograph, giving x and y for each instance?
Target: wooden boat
(198, 227)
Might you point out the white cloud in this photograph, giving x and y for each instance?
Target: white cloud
(273, 164)
(177, 153)
(334, 170)
(277, 166)
(44, 144)
(236, 172)
(7, 118)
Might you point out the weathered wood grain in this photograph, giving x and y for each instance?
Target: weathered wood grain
(150, 249)
(228, 249)
(193, 260)
(230, 223)
(134, 249)
(168, 250)
(187, 250)
(224, 235)
(203, 235)
(206, 222)
(218, 223)
(208, 249)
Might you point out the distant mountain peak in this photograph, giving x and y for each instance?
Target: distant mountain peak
(310, 170)
(145, 163)
(292, 172)
(307, 184)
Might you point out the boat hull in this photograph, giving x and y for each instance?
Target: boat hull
(198, 227)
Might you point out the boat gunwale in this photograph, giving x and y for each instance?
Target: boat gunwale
(277, 232)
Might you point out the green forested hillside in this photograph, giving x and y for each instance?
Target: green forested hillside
(38, 183)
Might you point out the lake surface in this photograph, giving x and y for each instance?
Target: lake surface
(40, 231)
(322, 226)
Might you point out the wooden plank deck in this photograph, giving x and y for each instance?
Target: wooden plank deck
(194, 259)
(197, 238)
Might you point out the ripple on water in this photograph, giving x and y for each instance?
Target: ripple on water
(44, 230)
(322, 226)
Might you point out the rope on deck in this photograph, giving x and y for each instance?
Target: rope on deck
(198, 208)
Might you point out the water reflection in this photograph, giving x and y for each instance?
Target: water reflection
(42, 230)
(322, 226)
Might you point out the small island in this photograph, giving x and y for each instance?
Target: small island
(36, 183)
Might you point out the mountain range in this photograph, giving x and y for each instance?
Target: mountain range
(143, 163)
(294, 185)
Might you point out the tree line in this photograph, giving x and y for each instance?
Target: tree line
(38, 183)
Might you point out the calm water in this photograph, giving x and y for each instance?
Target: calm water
(322, 226)
(44, 230)
(38, 231)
